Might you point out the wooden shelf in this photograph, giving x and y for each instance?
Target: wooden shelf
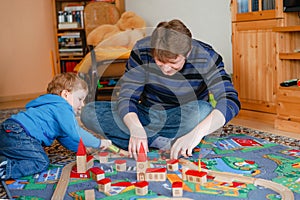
(289, 56)
(108, 88)
(292, 88)
(70, 58)
(287, 29)
(258, 15)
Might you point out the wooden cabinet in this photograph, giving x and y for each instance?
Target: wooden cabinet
(266, 43)
(254, 53)
(70, 31)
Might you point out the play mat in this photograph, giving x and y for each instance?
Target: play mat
(234, 151)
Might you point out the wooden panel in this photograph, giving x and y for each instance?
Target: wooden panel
(256, 25)
(289, 56)
(252, 16)
(287, 29)
(254, 60)
(288, 110)
(286, 125)
(258, 106)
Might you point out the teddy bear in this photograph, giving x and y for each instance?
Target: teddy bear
(129, 27)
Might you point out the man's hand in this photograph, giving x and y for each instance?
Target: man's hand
(185, 145)
(137, 137)
(137, 134)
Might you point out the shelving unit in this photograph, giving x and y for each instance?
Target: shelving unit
(288, 64)
(266, 45)
(70, 33)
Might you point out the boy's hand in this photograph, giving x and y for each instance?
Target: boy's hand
(105, 144)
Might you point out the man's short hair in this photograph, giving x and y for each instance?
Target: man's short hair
(170, 39)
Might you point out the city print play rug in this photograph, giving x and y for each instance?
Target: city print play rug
(234, 152)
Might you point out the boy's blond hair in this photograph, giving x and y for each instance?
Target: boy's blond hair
(66, 81)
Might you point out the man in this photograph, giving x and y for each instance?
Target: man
(163, 100)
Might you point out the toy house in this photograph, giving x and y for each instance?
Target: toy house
(104, 185)
(103, 157)
(172, 164)
(97, 173)
(177, 189)
(141, 164)
(156, 174)
(141, 188)
(196, 176)
(75, 174)
(120, 165)
(89, 162)
(83, 161)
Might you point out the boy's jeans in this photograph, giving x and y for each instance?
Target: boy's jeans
(24, 154)
(160, 124)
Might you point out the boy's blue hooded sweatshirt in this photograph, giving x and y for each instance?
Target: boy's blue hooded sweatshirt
(51, 117)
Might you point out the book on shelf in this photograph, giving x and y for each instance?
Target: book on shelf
(71, 50)
(69, 35)
(66, 25)
(68, 66)
(69, 13)
(71, 54)
(69, 41)
(70, 45)
(73, 8)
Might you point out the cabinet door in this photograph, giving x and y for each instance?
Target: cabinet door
(254, 67)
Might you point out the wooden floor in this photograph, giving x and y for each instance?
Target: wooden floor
(250, 119)
(260, 121)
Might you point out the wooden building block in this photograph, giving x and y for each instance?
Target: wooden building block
(141, 188)
(89, 194)
(177, 189)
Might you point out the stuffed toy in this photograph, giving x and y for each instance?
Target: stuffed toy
(123, 39)
(129, 24)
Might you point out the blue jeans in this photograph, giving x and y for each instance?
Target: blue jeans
(102, 118)
(24, 154)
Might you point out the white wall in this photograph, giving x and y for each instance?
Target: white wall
(208, 20)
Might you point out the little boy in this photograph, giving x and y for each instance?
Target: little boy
(46, 118)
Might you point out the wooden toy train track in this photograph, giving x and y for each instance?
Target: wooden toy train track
(285, 193)
(63, 182)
